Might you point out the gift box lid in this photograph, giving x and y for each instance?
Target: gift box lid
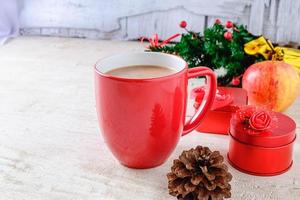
(262, 128)
(228, 99)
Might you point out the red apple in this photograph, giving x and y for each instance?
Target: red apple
(271, 84)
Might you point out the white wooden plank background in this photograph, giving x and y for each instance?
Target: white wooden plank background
(131, 19)
(50, 145)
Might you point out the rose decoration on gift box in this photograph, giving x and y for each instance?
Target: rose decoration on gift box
(222, 99)
(260, 120)
(255, 119)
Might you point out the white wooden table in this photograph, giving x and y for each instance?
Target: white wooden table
(50, 145)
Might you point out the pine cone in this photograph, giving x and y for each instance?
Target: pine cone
(199, 174)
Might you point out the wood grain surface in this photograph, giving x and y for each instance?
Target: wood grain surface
(131, 19)
(50, 144)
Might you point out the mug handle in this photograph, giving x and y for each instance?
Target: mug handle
(208, 99)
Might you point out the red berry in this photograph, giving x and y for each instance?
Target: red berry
(235, 81)
(218, 21)
(183, 24)
(229, 24)
(228, 35)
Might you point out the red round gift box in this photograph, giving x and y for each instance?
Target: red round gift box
(267, 153)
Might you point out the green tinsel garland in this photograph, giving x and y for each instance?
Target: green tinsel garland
(219, 47)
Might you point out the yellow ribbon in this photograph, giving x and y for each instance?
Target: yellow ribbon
(266, 49)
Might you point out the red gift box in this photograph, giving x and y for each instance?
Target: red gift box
(227, 101)
(258, 148)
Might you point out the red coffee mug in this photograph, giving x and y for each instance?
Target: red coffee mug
(142, 120)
